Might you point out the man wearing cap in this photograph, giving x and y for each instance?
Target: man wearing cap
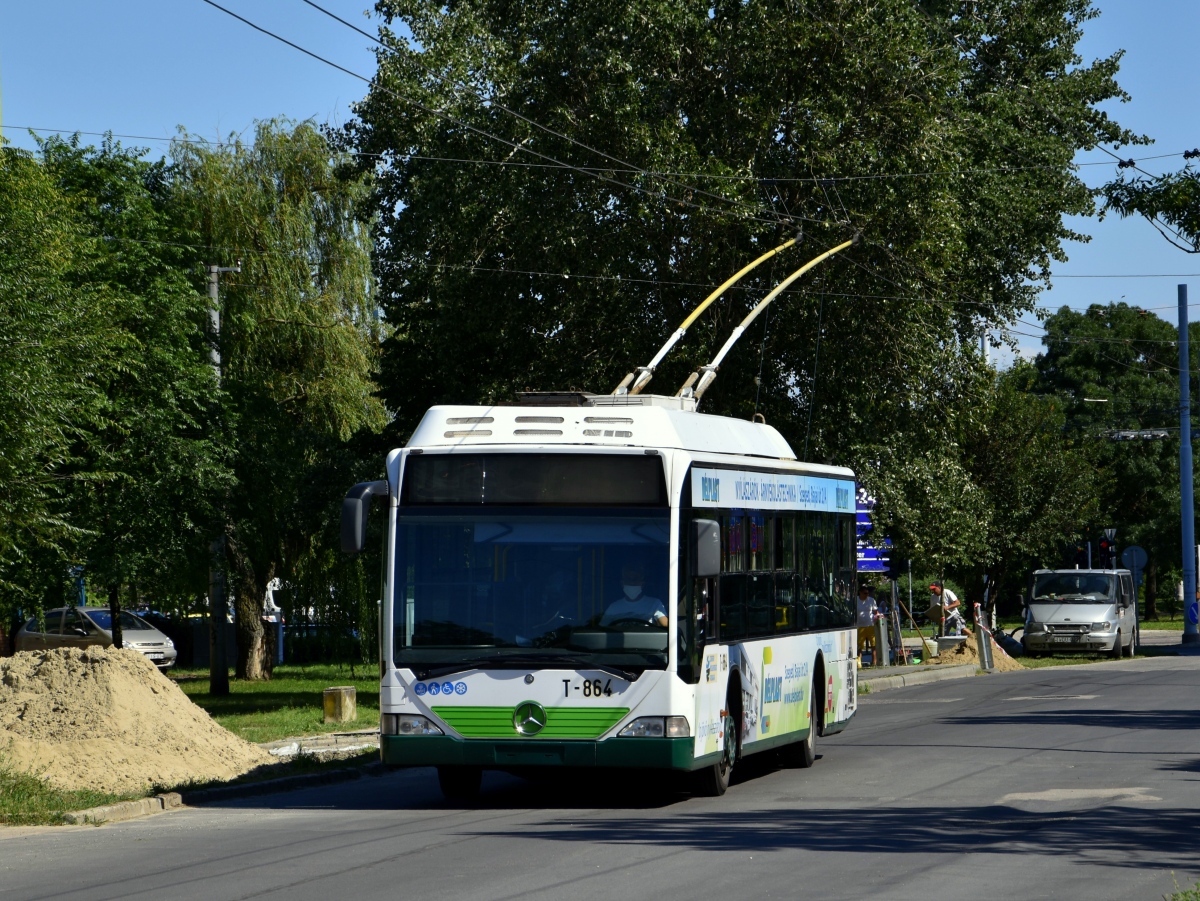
(944, 604)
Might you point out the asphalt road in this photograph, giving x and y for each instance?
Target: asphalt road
(1067, 782)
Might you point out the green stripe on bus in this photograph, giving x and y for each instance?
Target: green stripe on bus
(561, 722)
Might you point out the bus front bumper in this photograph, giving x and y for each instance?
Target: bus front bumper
(444, 750)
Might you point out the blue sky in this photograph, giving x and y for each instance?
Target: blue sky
(145, 67)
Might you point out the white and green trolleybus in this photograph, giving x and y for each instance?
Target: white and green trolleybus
(582, 580)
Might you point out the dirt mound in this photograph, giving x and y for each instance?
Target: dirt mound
(968, 652)
(107, 719)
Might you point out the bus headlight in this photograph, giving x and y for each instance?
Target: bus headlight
(1101, 627)
(407, 724)
(657, 727)
(1035, 627)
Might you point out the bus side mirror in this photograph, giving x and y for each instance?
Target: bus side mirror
(706, 548)
(355, 507)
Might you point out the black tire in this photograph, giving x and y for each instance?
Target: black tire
(460, 783)
(1118, 648)
(1127, 649)
(802, 754)
(713, 780)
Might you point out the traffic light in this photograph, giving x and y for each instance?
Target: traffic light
(1106, 553)
(895, 566)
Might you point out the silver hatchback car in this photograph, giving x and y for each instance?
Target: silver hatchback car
(80, 627)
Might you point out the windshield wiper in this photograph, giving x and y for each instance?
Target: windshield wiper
(524, 661)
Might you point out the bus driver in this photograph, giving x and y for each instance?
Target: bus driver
(635, 605)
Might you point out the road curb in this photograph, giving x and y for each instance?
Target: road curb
(921, 676)
(284, 783)
(123, 810)
(129, 810)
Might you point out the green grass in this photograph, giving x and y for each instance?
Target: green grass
(288, 705)
(28, 800)
(1168, 625)
(1186, 894)
(1075, 658)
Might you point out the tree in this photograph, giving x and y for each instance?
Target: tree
(1115, 367)
(1035, 480)
(514, 255)
(1169, 202)
(298, 343)
(56, 338)
(152, 444)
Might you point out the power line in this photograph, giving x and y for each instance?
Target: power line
(492, 101)
(520, 164)
(520, 147)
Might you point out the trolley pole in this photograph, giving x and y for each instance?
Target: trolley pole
(1187, 514)
(218, 605)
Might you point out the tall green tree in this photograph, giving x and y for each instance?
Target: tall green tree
(1034, 478)
(298, 342)
(674, 141)
(56, 336)
(1115, 368)
(145, 518)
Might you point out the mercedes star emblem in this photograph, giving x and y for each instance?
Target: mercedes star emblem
(529, 718)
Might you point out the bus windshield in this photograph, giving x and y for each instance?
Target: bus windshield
(523, 587)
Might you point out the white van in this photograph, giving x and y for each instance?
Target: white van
(1081, 610)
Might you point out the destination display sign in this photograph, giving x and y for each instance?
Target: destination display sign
(738, 489)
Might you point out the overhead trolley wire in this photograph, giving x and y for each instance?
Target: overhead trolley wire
(522, 164)
(520, 147)
(491, 100)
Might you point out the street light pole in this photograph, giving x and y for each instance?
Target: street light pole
(218, 606)
(1187, 514)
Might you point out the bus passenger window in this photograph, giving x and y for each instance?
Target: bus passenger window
(760, 605)
(733, 607)
(785, 543)
(760, 544)
(733, 550)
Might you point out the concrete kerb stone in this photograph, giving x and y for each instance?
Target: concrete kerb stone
(124, 810)
(128, 810)
(920, 675)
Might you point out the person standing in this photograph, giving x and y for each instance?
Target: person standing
(867, 611)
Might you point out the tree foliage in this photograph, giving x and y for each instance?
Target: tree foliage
(676, 140)
(159, 466)
(1170, 202)
(56, 336)
(1116, 367)
(298, 341)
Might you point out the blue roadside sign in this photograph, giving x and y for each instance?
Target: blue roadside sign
(873, 554)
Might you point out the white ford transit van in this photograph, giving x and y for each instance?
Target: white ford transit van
(1081, 610)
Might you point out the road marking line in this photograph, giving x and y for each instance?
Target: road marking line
(1053, 698)
(1081, 794)
(913, 700)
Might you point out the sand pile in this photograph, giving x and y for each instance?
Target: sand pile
(968, 652)
(108, 719)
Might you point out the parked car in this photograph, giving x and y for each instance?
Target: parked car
(1082, 610)
(80, 627)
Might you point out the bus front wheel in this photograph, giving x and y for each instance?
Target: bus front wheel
(460, 783)
(714, 779)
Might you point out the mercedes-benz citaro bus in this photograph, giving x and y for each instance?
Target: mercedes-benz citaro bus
(582, 580)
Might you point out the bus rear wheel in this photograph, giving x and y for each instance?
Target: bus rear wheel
(460, 783)
(713, 780)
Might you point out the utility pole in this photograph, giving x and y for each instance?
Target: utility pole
(218, 605)
(1187, 512)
